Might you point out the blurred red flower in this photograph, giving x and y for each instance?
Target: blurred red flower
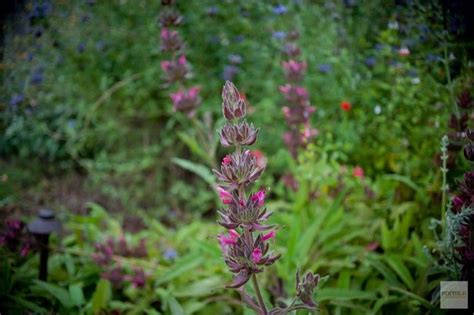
(346, 106)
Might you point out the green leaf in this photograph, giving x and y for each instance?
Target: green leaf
(400, 269)
(28, 305)
(200, 288)
(337, 294)
(5, 275)
(62, 295)
(174, 306)
(77, 296)
(388, 275)
(198, 169)
(193, 146)
(188, 263)
(101, 296)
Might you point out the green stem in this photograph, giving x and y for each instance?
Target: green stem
(452, 99)
(256, 288)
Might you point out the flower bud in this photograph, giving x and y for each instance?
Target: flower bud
(170, 40)
(464, 100)
(233, 105)
(291, 50)
(305, 287)
(469, 152)
(170, 18)
(176, 69)
(186, 101)
(241, 134)
(294, 70)
(295, 94)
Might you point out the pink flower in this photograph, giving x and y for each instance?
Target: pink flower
(227, 160)
(165, 65)
(186, 100)
(308, 133)
(269, 235)
(25, 250)
(226, 197)
(233, 234)
(260, 158)
(372, 246)
(358, 172)
(259, 197)
(256, 255)
(295, 94)
(404, 51)
(231, 239)
(294, 70)
(182, 60)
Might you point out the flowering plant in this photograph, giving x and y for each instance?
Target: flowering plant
(246, 248)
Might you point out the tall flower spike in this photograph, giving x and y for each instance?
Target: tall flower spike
(233, 105)
(246, 249)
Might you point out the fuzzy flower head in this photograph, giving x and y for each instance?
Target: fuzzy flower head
(358, 172)
(305, 287)
(175, 70)
(245, 259)
(291, 50)
(170, 18)
(295, 94)
(170, 40)
(294, 70)
(295, 115)
(241, 134)
(241, 169)
(233, 104)
(186, 101)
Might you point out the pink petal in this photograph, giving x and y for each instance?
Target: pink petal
(269, 235)
(256, 255)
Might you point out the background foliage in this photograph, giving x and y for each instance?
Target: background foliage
(88, 129)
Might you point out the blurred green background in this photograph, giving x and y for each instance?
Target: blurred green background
(88, 129)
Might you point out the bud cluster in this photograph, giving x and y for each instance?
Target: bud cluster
(245, 247)
(176, 70)
(463, 201)
(15, 238)
(459, 129)
(109, 254)
(298, 110)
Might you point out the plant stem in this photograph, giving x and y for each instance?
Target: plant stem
(450, 84)
(259, 294)
(444, 171)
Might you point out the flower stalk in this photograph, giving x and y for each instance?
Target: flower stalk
(245, 247)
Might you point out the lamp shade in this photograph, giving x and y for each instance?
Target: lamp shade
(45, 223)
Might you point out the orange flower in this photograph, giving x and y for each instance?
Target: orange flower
(346, 106)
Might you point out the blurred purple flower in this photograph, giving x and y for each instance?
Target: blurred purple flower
(170, 254)
(370, 61)
(279, 35)
(81, 47)
(239, 38)
(230, 71)
(433, 58)
(37, 76)
(16, 99)
(235, 59)
(279, 9)
(85, 18)
(379, 47)
(212, 11)
(325, 68)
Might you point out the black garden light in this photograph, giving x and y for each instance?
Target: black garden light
(41, 228)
